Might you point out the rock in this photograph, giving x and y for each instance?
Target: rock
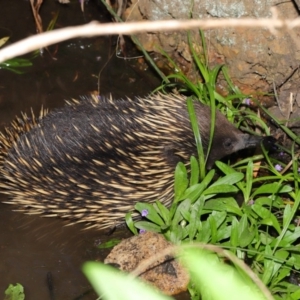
(166, 274)
(256, 58)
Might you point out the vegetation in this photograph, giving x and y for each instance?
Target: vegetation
(263, 231)
(14, 292)
(20, 65)
(15, 65)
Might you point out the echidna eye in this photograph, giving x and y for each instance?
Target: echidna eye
(227, 144)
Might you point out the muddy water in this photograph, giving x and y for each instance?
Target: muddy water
(41, 253)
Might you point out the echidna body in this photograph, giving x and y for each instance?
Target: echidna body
(93, 159)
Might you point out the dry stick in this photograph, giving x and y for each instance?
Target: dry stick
(35, 10)
(94, 28)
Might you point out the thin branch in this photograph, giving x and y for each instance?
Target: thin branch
(95, 29)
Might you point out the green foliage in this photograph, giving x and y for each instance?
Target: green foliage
(16, 65)
(205, 89)
(263, 229)
(218, 280)
(14, 292)
(197, 134)
(109, 244)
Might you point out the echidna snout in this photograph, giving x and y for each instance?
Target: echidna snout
(93, 159)
(229, 145)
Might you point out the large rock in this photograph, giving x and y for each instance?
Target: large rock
(256, 58)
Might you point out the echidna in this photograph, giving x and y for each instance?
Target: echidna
(93, 159)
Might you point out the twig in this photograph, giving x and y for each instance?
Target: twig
(94, 28)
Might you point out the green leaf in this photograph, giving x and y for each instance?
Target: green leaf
(152, 213)
(148, 226)
(273, 264)
(130, 223)
(53, 22)
(195, 218)
(14, 292)
(17, 63)
(265, 238)
(295, 255)
(224, 232)
(194, 179)
(219, 217)
(186, 213)
(272, 188)
(287, 215)
(281, 256)
(229, 179)
(268, 265)
(233, 87)
(234, 237)
(214, 74)
(229, 282)
(263, 201)
(109, 244)
(181, 181)
(290, 237)
(113, 284)
(267, 217)
(225, 168)
(296, 295)
(220, 189)
(216, 219)
(204, 71)
(212, 104)
(198, 138)
(183, 206)
(213, 229)
(194, 192)
(224, 204)
(163, 211)
(249, 179)
(208, 178)
(204, 234)
(177, 234)
(283, 273)
(246, 235)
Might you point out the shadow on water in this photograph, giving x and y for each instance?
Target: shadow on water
(45, 256)
(41, 253)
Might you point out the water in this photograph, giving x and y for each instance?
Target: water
(43, 254)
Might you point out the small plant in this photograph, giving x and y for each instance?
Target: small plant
(261, 231)
(18, 65)
(14, 292)
(15, 65)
